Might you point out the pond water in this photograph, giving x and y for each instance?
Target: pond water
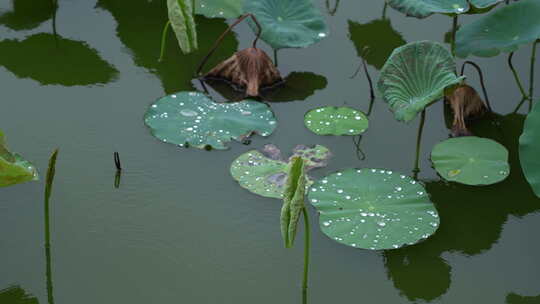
(179, 228)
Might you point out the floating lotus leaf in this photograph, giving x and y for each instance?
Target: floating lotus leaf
(265, 173)
(501, 31)
(425, 8)
(336, 121)
(471, 160)
(13, 168)
(373, 209)
(219, 8)
(375, 41)
(529, 148)
(288, 24)
(416, 75)
(192, 118)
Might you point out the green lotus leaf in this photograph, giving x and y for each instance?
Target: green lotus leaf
(504, 30)
(293, 200)
(425, 8)
(183, 24)
(193, 119)
(471, 160)
(529, 148)
(373, 209)
(17, 295)
(415, 76)
(13, 168)
(375, 41)
(219, 8)
(336, 121)
(265, 173)
(288, 24)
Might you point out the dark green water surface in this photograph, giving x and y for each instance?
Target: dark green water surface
(179, 229)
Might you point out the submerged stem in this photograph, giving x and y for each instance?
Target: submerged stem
(307, 245)
(164, 40)
(416, 169)
(531, 77)
(516, 76)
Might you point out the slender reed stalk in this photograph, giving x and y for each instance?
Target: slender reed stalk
(516, 76)
(307, 246)
(164, 40)
(416, 169)
(48, 190)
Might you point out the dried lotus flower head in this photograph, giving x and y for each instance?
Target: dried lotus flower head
(248, 70)
(466, 105)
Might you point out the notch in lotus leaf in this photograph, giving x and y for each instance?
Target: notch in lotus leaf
(415, 76)
(13, 168)
(193, 119)
(373, 209)
(471, 160)
(265, 172)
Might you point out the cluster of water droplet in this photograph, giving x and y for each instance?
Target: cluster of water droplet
(336, 121)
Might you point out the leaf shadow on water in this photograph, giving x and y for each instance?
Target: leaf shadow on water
(16, 295)
(475, 214)
(297, 86)
(61, 61)
(513, 298)
(375, 41)
(142, 36)
(27, 15)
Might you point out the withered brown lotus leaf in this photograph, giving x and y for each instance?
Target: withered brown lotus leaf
(250, 70)
(466, 105)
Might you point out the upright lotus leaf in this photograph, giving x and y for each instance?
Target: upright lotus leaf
(415, 76)
(373, 209)
(425, 8)
(265, 173)
(529, 148)
(183, 24)
(13, 168)
(288, 24)
(336, 121)
(504, 30)
(219, 8)
(375, 41)
(192, 118)
(293, 200)
(471, 160)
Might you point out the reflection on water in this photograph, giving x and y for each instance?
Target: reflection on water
(139, 28)
(472, 219)
(16, 295)
(513, 298)
(26, 15)
(375, 41)
(60, 61)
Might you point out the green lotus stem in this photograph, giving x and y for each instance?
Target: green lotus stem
(48, 189)
(519, 105)
(481, 81)
(307, 245)
(331, 11)
(531, 78)
(164, 40)
(454, 30)
(416, 169)
(516, 76)
(384, 10)
(275, 58)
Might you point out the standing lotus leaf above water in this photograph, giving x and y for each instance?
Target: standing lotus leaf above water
(265, 172)
(193, 119)
(425, 8)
